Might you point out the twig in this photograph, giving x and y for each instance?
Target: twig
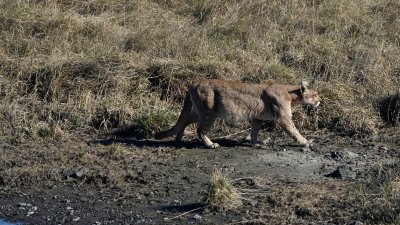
(246, 221)
(244, 178)
(230, 135)
(180, 215)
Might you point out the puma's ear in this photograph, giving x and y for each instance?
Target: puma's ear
(304, 85)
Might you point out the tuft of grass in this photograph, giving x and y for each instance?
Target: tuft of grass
(46, 131)
(81, 154)
(221, 193)
(116, 149)
(149, 123)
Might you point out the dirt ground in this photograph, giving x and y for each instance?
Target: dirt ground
(82, 181)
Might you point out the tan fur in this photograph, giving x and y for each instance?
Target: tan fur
(208, 100)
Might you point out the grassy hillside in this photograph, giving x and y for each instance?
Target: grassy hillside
(68, 65)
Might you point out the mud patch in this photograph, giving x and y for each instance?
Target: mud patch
(295, 164)
(153, 182)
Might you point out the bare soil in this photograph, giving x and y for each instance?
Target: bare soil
(157, 182)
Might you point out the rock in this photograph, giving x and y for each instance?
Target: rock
(197, 217)
(30, 213)
(267, 141)
(22, 204)
(344, 154)
(384, 148)
(77, 173)
(228, 169)
(76, 219)
(343, 172)
(253, 203)
(356, 222)
(305, 149)
(303, 212)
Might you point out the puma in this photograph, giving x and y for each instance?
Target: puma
(232, 101)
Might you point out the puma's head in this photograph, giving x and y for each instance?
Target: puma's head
(309, 96)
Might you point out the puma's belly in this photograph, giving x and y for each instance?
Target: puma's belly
(236, 112)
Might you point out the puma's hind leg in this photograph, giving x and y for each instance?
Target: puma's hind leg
(193, 118)
(204, 125)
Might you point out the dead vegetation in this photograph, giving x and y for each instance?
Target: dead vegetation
(221, 194)
(378, 197)
(68, 65)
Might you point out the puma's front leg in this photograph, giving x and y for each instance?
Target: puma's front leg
(288, 126)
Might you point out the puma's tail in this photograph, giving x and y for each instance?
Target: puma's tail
(180, 124)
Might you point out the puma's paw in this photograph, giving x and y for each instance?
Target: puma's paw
(214, 145)
(311, 142)
(248, 138)
(259, 145)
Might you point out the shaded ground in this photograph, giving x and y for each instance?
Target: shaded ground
(152, 182)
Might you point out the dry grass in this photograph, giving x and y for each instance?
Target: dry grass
(68, 65)
(221, 194)
(44, 165)
(378, 197)
(285, 202)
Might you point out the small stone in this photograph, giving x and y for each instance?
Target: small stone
(30, 213)
(228, 169)
(384, 148)
(305, 149)
(343, 154)
(76, 219)
(69, 208)
(22, 204)
(343, 172)
(197, 217)
(253, 202)
(77, 173)
(267, 140)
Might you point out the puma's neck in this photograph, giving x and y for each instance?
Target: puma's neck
(294, 93)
